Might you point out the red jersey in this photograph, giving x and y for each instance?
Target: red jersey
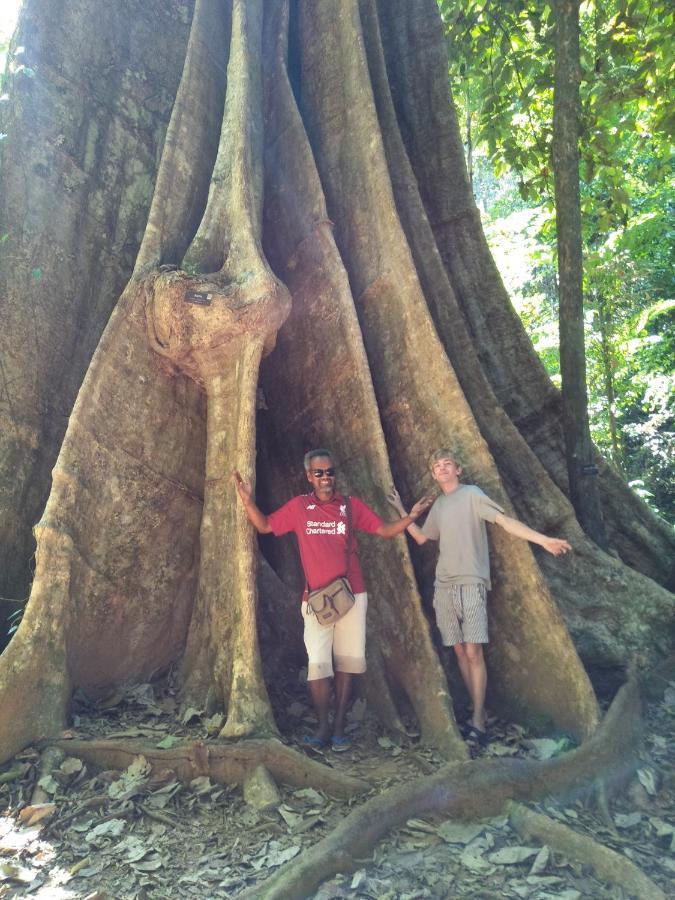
(321, 530)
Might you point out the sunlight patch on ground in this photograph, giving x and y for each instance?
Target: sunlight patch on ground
(23, 854)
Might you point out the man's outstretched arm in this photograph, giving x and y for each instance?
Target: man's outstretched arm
(391, 529)
(556, 546)
(414, 530)
(256, 517)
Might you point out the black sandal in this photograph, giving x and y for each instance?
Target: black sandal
(475, 736)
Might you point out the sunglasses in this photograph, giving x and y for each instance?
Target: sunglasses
(319, 473)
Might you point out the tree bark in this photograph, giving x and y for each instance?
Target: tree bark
(215, 329)
(229, 764)
(581, 468)
(77, 169)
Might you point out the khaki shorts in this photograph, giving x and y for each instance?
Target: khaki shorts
(461, 614)
(342, 645)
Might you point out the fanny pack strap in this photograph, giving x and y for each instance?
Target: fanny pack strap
(350, 539)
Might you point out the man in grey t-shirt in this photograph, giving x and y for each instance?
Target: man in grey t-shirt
(457, 521)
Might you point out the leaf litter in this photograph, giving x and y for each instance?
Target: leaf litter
(136, 835)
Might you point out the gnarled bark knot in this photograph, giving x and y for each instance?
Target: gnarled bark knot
(193, 320)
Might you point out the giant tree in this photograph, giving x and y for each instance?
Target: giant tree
(305, 266)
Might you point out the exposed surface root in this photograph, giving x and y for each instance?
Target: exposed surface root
(51, 758)
(465, 791)
(224, 763)
(607, 865)
(206, 839)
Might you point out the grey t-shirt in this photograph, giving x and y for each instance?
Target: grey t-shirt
(457, 521)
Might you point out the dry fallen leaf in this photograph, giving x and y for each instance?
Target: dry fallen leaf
(358, 879)
(190, 714)
(94, 868)
(310, 794)
(150, 864)
(647, 779)
(497, 749)
(71, 765)
(31, 815)
(421, 825)
(541, 861)
(111, 828)
(459, 832)
(214, 723)
(475, 862)
(201, 785)
(81, 864)
(661, 827)
(48, 784)
(18, 874)
(511, 856)
(290, 817)
(543, 880)
(14, 774)
(627, 821)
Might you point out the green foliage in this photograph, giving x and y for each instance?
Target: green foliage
(630, 290)
(501, 72)
(630, 324)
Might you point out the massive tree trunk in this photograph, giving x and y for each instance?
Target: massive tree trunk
(312, 222)
(78, 168)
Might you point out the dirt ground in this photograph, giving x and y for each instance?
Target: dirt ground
(128, 835)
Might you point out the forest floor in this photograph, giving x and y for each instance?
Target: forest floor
(120, 835)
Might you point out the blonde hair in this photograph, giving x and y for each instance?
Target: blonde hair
(443, 453)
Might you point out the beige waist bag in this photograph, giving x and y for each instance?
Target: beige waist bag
(331, 602)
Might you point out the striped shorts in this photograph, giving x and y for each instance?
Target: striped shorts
(461, 614)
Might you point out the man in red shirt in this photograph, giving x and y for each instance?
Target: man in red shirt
(320, 522)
